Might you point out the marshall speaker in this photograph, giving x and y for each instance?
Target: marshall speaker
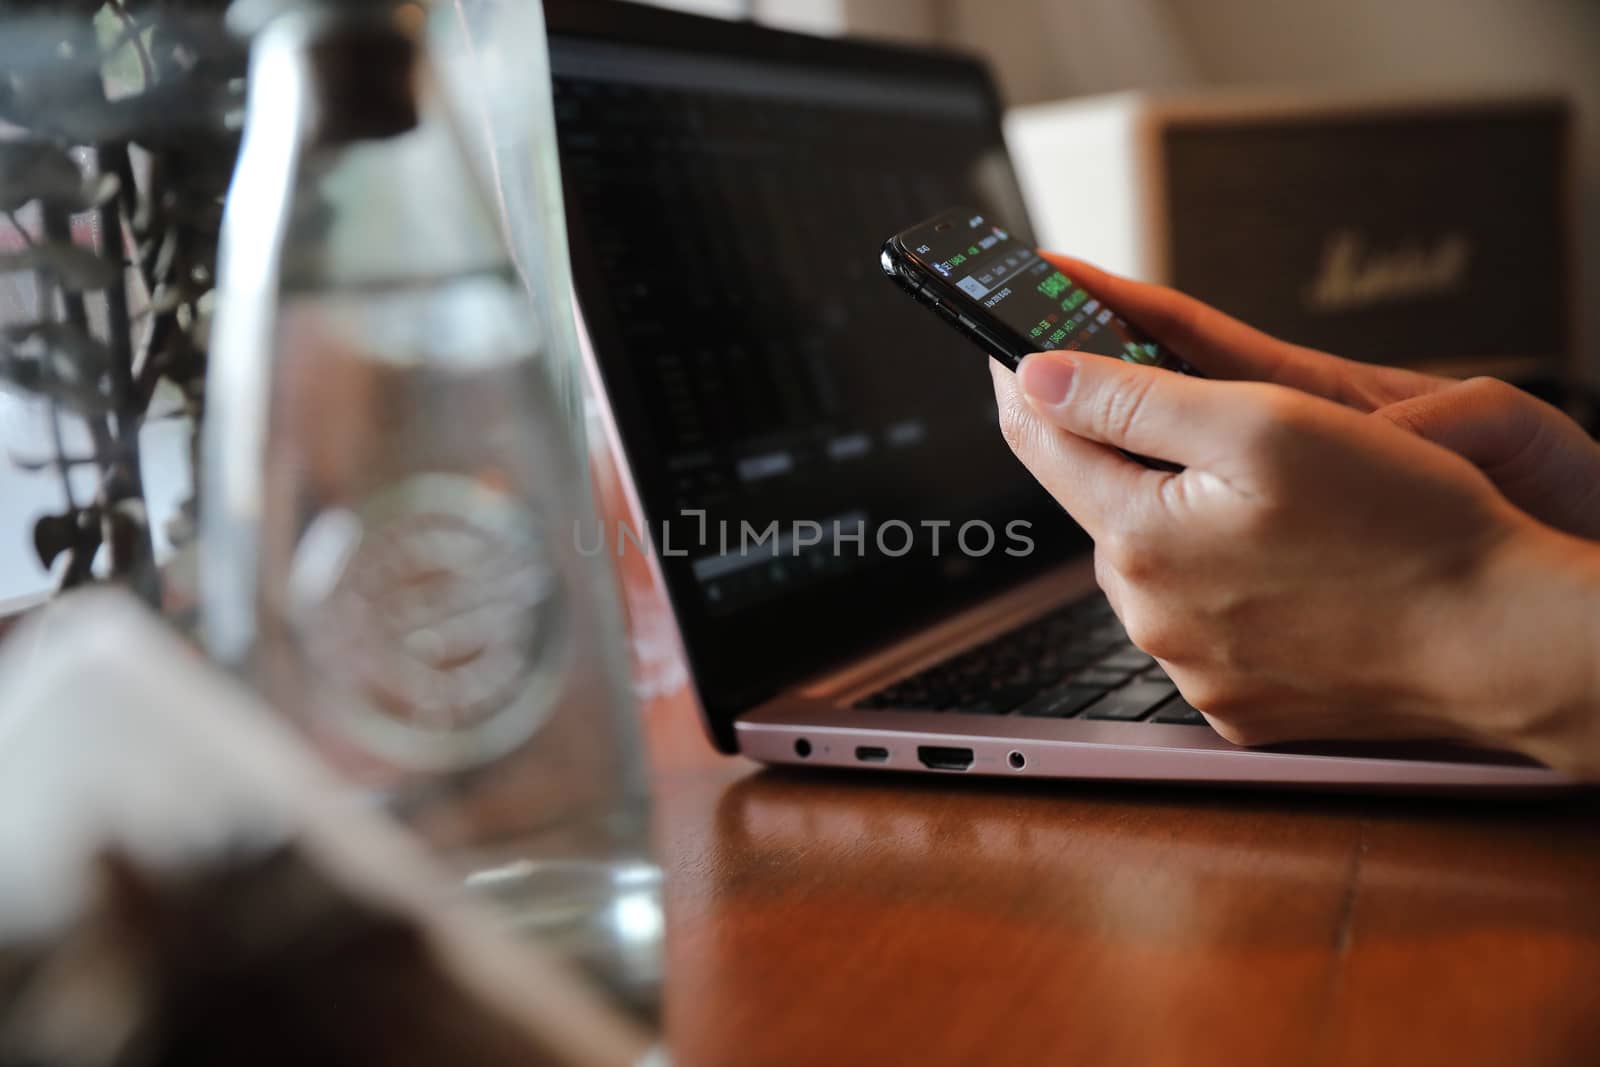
(1432, 233)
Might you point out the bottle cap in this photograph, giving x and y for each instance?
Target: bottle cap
(363, 57)
(246, 18)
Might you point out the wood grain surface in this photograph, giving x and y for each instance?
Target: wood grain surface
(820, 918)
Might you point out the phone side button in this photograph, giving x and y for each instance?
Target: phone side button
(980, 335)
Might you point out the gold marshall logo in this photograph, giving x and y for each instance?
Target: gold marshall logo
(1353, 277)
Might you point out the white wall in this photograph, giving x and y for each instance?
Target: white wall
(907, 19)
(729, 9)
(813, 16)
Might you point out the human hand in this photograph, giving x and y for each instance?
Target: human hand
(1220, 346)
(1311, 571)
(1540, 459)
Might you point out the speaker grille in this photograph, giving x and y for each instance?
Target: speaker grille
(1393, 237)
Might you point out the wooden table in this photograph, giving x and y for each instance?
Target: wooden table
(839, 918)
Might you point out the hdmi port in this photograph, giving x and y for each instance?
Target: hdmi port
(871, 754)
(939, 758)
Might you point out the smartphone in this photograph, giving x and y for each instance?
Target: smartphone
(1003, 295)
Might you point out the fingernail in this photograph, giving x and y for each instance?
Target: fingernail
(1046, 379)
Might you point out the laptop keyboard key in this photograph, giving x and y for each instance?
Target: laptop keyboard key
(1061, 703)
(994, 678)
(1132, 702)
(1127, 659)
(1179, 710)
(1100, 677)
(997, 701)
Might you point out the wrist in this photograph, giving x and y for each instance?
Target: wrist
(1526, 675)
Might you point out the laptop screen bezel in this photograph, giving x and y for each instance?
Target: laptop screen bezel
(638, 25)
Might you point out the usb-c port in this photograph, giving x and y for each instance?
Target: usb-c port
(871, 754)
(940, 758)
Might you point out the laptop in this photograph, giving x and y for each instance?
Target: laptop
(860, 572)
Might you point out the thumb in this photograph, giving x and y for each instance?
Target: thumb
(1542, 461)
(1194, 422)
(1490, 424)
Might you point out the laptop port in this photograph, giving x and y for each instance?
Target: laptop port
(940, 758)
(871, 754)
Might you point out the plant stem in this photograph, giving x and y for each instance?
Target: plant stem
(119, 464)
(151, 369)
(130, 407)
(129, 195)
(58, 227)
(61, 465)
(119, 324)
(57, 440)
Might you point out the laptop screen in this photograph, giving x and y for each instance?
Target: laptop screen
(818, 458)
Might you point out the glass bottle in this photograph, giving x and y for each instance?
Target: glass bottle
(492, 55)
(393, 502)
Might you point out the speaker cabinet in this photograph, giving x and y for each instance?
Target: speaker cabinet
(1435, 233)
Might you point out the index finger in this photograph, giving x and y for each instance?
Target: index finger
(1223, 347)
(1218, 344)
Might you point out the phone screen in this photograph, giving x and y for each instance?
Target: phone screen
(1010, 285)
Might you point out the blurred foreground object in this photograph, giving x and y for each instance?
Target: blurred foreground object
(180, 883)
(394, 501)
(493, 57)
(1428, 231)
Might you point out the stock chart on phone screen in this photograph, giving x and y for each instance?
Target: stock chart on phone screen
(1030, 296)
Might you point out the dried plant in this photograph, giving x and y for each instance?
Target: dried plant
(118, 133)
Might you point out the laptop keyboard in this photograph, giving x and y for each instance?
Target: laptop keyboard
(1073, 663)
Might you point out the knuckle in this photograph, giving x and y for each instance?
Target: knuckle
(1152, 631)
(1229, 709)
(1205, 693)
(1215, 695)
(1275, 429)
(1492, 390)
(1124, 406)
(1264, 417)
(1242, 733)
(1139, 626)
(1105, 573)
(1124, 552)
(1279, 414)
(1264, 520)
(1408, 417)
(1113, 595)
(1016, 423)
